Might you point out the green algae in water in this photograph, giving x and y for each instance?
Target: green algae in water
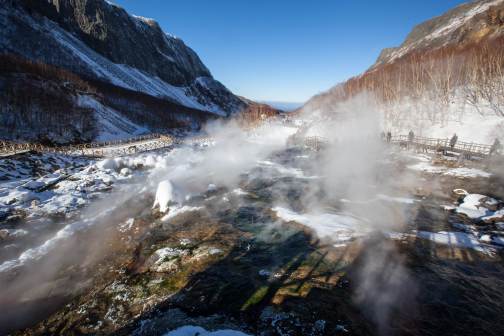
(257, 297)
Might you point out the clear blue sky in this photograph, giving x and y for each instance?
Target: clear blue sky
(287, 50)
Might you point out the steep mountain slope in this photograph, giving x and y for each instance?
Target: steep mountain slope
(101, 43)
(447, 76)
(465, 23)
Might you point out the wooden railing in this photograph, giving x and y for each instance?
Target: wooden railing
(469, 149)
(156, 141)
(315, 142)
(95, 149)
(462, 147)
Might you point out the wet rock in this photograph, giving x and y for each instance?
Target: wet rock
(4, 234)
(206, 251)
(167, 266)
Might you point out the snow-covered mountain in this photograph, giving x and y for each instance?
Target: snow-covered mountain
(100, 42)
(462, 24)
(446, 77)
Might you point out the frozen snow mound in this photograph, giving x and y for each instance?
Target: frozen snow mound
(481, 207)
(199, 331)
(166, 194)
(112, 164)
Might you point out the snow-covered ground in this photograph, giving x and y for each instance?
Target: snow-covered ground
(44, 193)
(426, 164)
(198, 331)
(54, 184)
(35, 187)
(111, 125)
(426, 118)
(486, 235)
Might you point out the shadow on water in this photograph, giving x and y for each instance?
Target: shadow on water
(292, 284)
(407, 290)
(266, 284)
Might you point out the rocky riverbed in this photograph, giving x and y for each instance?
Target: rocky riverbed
(259, 257)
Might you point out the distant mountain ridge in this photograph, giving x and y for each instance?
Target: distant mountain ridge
(281, 105)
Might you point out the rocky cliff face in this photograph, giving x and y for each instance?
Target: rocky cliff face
(96, 39)
(123, 38)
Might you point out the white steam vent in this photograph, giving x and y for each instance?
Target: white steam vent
(166, 194)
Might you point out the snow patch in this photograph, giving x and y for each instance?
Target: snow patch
(461, 172)
(198, 331)
(175, 211)
(457, 239)
(473, 206)
(338, 227)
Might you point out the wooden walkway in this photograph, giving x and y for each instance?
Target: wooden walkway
(158, 141)
(467, 149)
(95, 149)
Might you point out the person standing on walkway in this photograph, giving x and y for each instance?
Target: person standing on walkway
(496, 147)
(453, 141)
(411, 137)
(389, 136)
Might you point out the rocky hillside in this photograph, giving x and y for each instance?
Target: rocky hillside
(470, 22)
(104, 45)
(446, 77)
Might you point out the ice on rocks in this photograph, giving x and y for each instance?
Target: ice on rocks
(127, 225)
(125, 171)
(185, 242)
(480, 207)
(214, 251)
(108, 164)
(497, 215)
(472, 206)
(165, 253)
(175, 211)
